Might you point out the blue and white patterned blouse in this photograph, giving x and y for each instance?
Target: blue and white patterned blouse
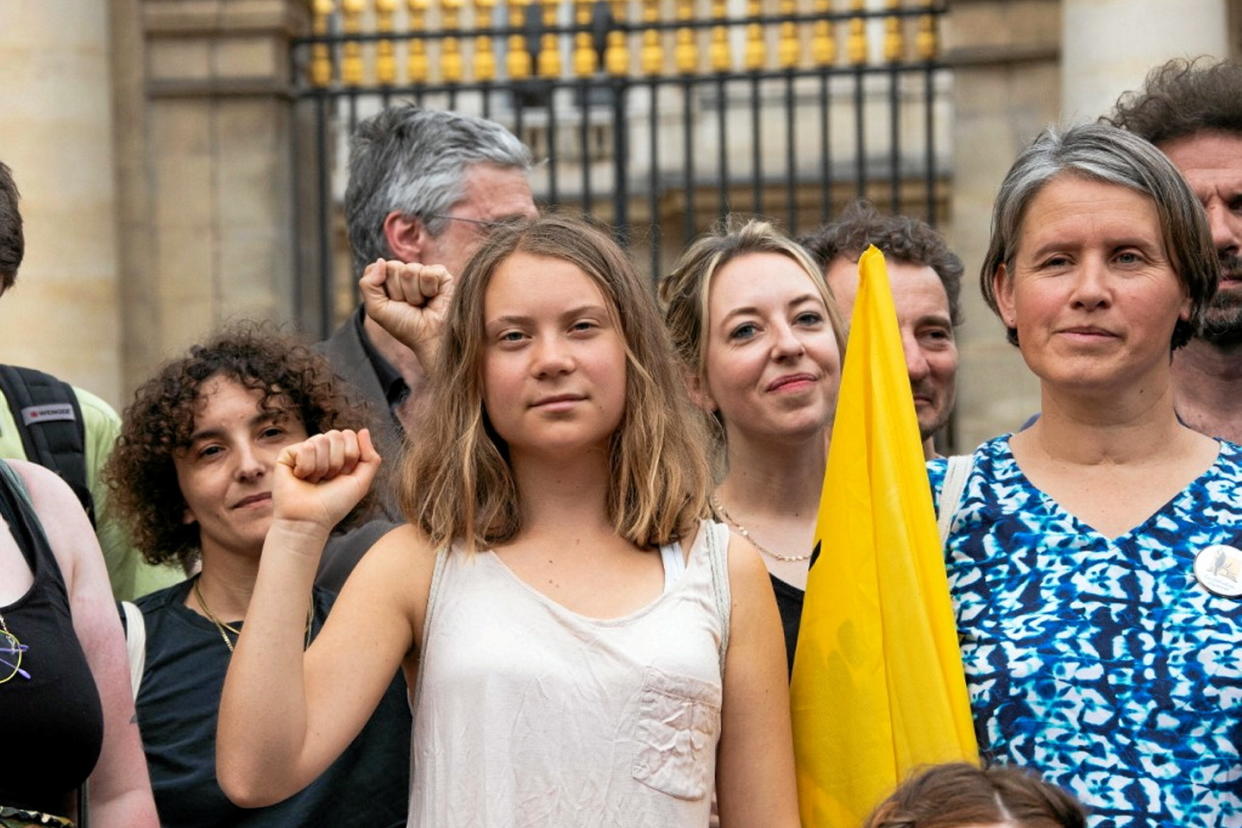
(1102, 662)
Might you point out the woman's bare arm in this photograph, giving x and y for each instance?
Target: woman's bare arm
(120, 790)
(755, 782)
(286, 715)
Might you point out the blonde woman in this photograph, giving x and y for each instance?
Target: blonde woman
(584, 648)
(760, 339)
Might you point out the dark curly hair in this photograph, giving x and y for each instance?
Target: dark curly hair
(1182, 97)
(141, 477)
(902, 238)
(955, 794)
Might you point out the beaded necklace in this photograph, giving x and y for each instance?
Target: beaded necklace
(741, 530)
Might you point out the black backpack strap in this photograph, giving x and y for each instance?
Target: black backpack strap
(49, 419)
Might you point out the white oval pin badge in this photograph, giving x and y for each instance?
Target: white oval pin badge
(1219, 569)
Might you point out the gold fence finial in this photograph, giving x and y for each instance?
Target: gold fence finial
(686, 48)
(652, 54)
(385, 55)
(823, 38)
(756, 50)
(351, 51)
(788, 47)
(549, 45)
(452, 64)
(617, 52)
(518, 59)
(586, 61)
(484, 50)
(417, 68)
(856, 45)
(894, 37)
(925, 42)
(718, 50)
(321, 53)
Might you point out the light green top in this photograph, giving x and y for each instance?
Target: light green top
(131, 576)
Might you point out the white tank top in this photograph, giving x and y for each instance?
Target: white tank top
(528, 714)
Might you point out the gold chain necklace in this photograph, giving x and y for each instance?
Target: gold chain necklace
(741, 530)
(221, 626)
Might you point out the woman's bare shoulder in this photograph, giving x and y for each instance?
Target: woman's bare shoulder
(45, 487)
(60, 513)
(404, 557)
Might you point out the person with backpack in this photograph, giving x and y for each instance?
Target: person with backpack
(66, 429)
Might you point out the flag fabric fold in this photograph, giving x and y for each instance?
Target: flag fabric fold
(878, 687)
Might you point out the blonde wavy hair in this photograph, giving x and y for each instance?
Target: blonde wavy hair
(684, 292)
(456, 482)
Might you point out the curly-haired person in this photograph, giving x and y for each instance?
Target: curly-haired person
(926, 278)
(192, 475)
(1192, 111)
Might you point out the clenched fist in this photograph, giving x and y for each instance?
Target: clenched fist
(410, 301)
(320, 479)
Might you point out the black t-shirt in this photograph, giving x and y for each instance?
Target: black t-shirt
(789, 603)
(178, 703)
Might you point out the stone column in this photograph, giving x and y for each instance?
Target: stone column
(1005, 57)
(208, 206)
(56, 134)
(1109, 46)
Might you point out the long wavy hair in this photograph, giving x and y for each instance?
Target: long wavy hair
(456, 482)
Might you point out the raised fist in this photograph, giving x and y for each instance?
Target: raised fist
(410, 301)
(318, 480)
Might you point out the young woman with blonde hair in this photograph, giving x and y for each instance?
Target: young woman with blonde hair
(761, 340)
(584, 648)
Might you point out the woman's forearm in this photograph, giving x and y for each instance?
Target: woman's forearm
(263, 721)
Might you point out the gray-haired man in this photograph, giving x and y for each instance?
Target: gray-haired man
(424, 186)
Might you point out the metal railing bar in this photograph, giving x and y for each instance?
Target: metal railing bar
(653, 176)
(584, 139)
(687, 151)
(791, 123)
(825, 151)
(756, 147)
(894, 142)
(722, 135)
(860, 135)
(552, 154)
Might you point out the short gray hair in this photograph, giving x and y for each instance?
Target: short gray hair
(415, 161)
(1104, 153)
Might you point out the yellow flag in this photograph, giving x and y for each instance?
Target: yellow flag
(878, 687)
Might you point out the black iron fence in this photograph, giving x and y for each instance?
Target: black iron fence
(658, 116)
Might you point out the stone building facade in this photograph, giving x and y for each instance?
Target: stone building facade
(152, 142)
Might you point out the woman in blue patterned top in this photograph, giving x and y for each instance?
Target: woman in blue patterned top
(1089, 556)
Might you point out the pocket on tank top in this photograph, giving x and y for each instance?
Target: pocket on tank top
(677, 730)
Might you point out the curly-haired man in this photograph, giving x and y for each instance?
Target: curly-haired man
(1192, 111)
(927, 279)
